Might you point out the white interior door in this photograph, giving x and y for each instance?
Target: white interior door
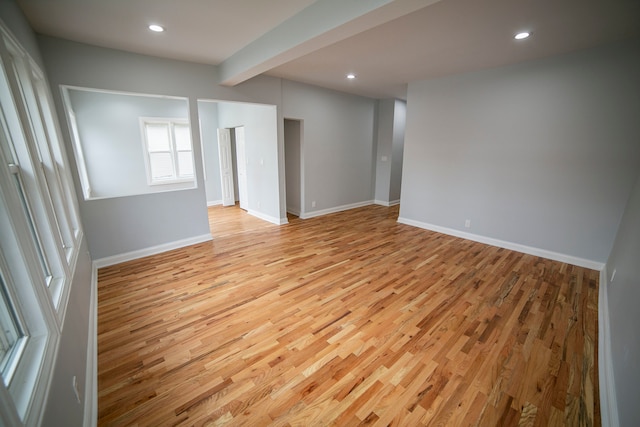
(241, 161)
(226, 167)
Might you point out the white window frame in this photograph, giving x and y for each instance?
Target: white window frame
(173, 151)
(25, 393)
(28, 168)
(57, 176)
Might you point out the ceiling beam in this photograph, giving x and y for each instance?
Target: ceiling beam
(322, 23)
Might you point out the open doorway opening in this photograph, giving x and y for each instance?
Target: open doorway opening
(293, 166)
(240, 157)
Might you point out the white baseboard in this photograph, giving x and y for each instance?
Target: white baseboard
(214, 203)
(91, 377)
(389, 203)
(608, 400)
(580, 262)
(313, 214)
(268, 218)
(295, 212)
(153, 250)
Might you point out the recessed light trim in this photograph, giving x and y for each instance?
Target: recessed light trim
(156, 28)
(521, 36)
(351, 76)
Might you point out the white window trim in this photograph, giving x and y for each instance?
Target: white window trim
(33, 135)
(29, 383)
(66, 203)
(174, 152)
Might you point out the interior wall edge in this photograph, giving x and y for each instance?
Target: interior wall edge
(153, 250)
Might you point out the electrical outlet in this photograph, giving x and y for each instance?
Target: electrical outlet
(313, 204)
(467, 223)
(74, 384)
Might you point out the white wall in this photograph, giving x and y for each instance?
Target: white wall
(338, 145)
(542, 154)
(623, 296)
(111, 138)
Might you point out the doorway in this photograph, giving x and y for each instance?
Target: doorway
(293, 166)
(252, 158)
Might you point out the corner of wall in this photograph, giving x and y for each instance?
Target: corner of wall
(91, 384)
(608, 401)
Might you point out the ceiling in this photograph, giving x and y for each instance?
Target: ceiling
(386, 43)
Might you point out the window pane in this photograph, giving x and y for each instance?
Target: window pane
(185, 164)
(158, 137)
(183, 138)
(44, 264)
(10, 334)
(161, 166)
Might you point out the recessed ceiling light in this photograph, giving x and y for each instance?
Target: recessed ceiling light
(522, 35)
(351, 76)
(156, 28)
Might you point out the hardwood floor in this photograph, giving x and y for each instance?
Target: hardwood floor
(346, 319)
(230, 220)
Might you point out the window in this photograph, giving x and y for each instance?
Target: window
(12, 334)
(169, 156)
(40, 197)
(109, 132)
(56, 175)
(39, 236)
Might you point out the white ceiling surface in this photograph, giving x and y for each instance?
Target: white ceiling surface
(386, 52)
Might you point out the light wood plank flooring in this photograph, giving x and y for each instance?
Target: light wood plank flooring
(345, 319)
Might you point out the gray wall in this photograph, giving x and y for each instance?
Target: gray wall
(338, 134)
(542, 154)
(338, 144)
(384, 149)
(293, 159)
(62, 407)
(208, 112)
(111, 139)
(623, 295)
(125, 224)
(15, 20)
(391, 122)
